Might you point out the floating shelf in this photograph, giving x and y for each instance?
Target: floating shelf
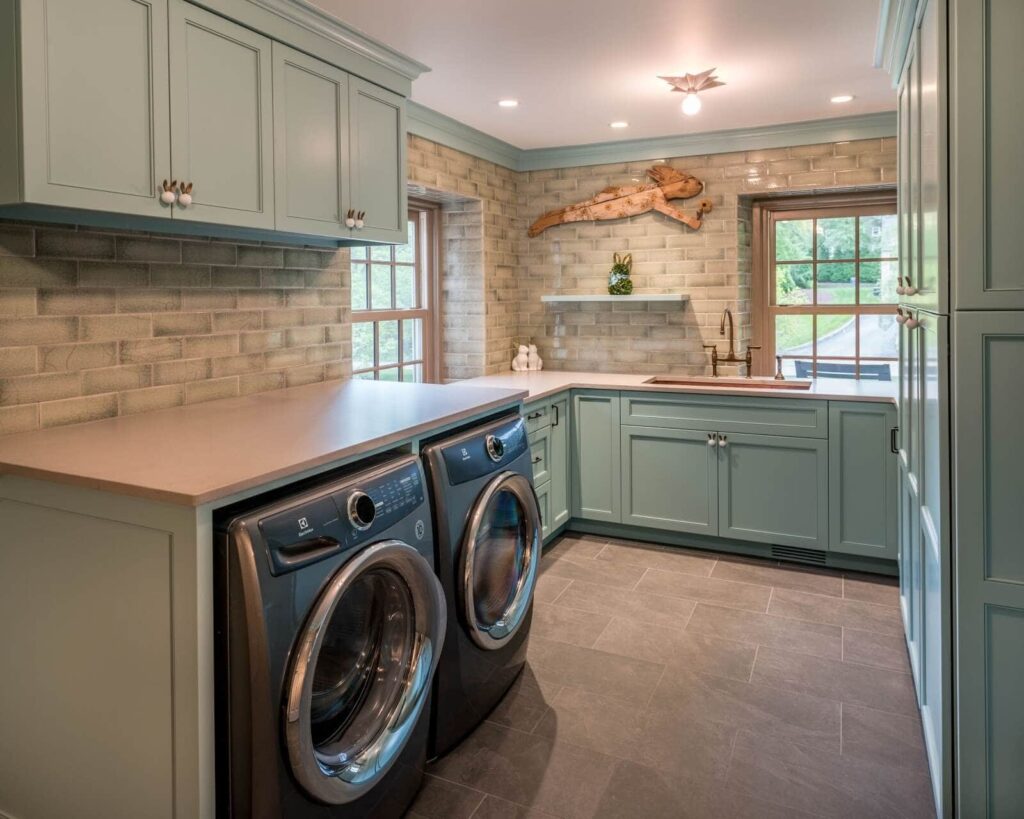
(673, 297)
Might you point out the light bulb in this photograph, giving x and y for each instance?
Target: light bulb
(691, 104)
(508, 103)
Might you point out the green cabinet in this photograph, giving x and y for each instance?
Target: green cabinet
(102, 101)
(222, 130)
(989, 561)
(595, 474)
(310, 144)
(862, 479)
(549, 457)
(670, 479)
(94, 127)
(377, 164)
(774, 489)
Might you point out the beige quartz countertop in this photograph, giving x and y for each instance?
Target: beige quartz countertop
(548, 382)
(196, 454)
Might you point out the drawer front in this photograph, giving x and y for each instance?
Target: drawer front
(793, 417)
(540, 456)
(538, 417)
(543, 492)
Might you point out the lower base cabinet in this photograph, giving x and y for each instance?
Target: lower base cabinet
(548, 436)
(827, 486)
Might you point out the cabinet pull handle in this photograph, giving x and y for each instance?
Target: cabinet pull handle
(711, 439)
(169, 192)
(894, 447)
(533, 416)
(557, 417)
(350, 218)
(537, 460)
(185, 194)
(723, 440)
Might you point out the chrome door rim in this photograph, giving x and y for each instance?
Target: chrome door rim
(353, 779)
(514, 615)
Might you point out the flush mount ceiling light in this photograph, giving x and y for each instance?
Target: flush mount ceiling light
(619, 123)
(508, 103)
(692, 85)
(842, 98)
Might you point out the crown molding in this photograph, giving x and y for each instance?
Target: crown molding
(436, 127)
(318, 21)
(896, 19)
(429, 124)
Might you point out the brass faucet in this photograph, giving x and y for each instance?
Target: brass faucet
(731, 356)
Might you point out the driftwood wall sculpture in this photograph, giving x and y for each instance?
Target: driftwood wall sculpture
(632, 200)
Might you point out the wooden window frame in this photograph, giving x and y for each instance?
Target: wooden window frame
(765, 214)
(426, 265)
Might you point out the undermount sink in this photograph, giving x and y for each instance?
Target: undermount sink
(754, 383)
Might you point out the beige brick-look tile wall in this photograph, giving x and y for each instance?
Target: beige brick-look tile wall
(712, 265)
(97, 323)
(491, 279)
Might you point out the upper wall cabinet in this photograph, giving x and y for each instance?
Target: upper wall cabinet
(222, 129)
(987, 121)
(310, 144)
(95, 120)
(102, 101)
(377, 129)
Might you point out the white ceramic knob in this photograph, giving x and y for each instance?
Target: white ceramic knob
(350, 222)
(359, 224)
(184, 199)
(722, 441)
(912, 323)
(167, 197)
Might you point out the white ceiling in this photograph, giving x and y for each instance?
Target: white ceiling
(576, 66)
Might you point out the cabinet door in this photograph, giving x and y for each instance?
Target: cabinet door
(94, 104)
(910, 568)
(670, 479)
(543, 492)
(989, 350)
(310, 144)
(559, 433)
(987, 175)
(377, 161)
(932, 277)
(222, 129)
(595, 458)
(774, 490)
(862, 479)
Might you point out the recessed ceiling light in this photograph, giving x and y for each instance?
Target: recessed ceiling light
(508, 103)
(843, 98)
(619, 123)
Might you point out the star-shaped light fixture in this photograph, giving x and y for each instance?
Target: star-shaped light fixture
(692, 85)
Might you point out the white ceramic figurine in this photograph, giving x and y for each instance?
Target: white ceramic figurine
(535, 362)
(521, 361)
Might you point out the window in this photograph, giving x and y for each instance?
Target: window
(392, 300)
(824, 290)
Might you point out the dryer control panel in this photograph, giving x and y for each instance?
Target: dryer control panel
(486, 452)
(341, 517)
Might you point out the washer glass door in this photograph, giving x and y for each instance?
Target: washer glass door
(500, 557)
(362, 671)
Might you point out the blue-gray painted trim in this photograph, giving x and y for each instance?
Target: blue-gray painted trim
(429, 124)
(895, 29)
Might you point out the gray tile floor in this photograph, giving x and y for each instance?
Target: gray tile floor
(674, 683)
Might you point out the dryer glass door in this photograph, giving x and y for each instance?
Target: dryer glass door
(362, 671)
(500, 557)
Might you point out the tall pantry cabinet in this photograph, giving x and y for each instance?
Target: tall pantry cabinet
(961, 442)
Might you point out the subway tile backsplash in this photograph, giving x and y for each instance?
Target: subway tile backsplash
(97, 323)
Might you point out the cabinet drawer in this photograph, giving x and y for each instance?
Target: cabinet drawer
(540, 456)
(543, 492)
(538, 417)
(797, 418)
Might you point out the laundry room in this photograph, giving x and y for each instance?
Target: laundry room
(510, 411)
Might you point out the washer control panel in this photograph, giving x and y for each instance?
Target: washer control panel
(341, 518)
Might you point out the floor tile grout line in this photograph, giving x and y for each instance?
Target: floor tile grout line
(771, 594)
(753, 664)
(841, 727)
(601, 632)
(639, 579)
(483, 798)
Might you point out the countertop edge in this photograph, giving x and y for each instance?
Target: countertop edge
(514, 397)
(749, 393)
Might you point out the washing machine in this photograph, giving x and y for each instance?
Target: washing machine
(488, 533)
(329, 622)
